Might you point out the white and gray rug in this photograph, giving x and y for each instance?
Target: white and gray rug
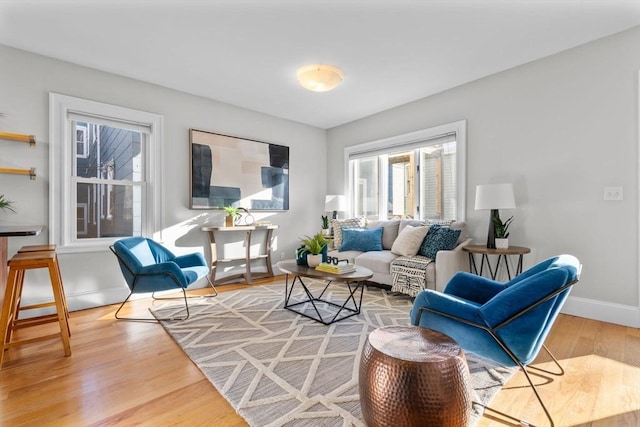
(278, 368)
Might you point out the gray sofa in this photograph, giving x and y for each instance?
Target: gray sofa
(431, 273)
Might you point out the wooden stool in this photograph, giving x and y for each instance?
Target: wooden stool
(9, 321)
(51, 317)
(40, 248)
(412, 376)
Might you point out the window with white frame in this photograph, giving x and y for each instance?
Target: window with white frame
(105, 163)
(417, 175)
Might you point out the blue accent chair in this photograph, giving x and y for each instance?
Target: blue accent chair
(148, 266)
(505, 322)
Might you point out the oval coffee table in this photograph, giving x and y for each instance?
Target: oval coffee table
(332, 310)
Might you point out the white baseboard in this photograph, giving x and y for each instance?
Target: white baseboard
(625, 315)
(81, 301)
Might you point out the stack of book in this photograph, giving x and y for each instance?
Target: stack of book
(336, 269)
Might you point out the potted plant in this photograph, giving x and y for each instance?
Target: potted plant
(6, 205)
(316, 247)
(325, 225)
(233, 213)
(501, 233)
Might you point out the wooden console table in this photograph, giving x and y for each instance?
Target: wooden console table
(247, 258)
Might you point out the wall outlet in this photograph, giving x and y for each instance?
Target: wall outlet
(282, 256)
(613, 193)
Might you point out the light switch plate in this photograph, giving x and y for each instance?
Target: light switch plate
(613, 193)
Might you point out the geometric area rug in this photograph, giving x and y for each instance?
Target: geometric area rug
(278, 368)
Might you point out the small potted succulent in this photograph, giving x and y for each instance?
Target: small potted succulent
(501, 233)
(325, 225)
(233, 213)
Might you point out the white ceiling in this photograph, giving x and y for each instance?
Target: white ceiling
(246, 52)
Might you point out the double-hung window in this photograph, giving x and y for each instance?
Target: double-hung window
(105, 180)
(418, 175)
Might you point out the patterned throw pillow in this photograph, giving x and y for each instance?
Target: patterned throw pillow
(438, 238)
(409, 240)
(339, 224)
(361, 239)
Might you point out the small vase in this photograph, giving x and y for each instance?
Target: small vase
(314, 260)
(301, 256)
(502, 243)
(228, 221)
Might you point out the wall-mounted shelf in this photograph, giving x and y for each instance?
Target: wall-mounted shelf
(31, 139)
(31, 172)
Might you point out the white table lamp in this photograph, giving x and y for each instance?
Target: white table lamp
(335, 204)
(494, 197)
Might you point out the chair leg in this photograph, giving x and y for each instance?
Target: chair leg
(61, 305)
(154, 319)
(8, 309)
(184, 295)
(215, 294)
(560, 368)
(122, 305)
(186, 306)
(535, 391)
(212, 287)
(16, 306)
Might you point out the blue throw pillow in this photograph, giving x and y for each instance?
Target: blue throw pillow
(438, 238)
(361, 239)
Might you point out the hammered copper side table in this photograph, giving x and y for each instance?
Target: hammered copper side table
(413, 376)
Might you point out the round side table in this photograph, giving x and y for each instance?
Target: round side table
(502, 254)
(413, 376)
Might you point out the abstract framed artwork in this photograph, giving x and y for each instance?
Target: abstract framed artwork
(231, 171)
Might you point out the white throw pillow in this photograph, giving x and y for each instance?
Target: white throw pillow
(409, 240)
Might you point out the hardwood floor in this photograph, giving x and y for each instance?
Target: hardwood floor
(125, 373)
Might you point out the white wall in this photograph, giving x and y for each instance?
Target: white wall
(561, 129)
(93, 278)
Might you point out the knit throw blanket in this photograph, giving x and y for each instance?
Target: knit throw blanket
(409, 274)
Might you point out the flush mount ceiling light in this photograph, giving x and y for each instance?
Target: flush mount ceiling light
(319, 77)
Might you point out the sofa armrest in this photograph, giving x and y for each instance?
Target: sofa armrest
(449, 263)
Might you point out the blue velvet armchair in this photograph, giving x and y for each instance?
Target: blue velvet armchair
(504, 322)
(148, 266)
